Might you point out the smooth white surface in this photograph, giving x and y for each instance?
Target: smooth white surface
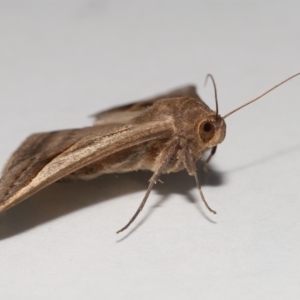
(61, 61)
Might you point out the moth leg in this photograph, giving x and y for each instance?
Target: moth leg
(212, 153)
(191, 168)
(162, 162)
(202, 195)
(153, 180)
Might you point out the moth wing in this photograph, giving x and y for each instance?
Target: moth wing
(44, 158)
(123, 114)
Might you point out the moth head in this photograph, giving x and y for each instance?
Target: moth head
(212, 130)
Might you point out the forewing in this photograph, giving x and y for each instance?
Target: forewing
(46, 157)
(123, 114)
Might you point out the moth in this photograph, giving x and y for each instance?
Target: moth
(163, 134)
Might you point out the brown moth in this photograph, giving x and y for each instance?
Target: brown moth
(162, 134)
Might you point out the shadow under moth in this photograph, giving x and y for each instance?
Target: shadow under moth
(164, 134)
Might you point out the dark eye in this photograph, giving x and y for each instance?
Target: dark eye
(207, 127)
(206, 131)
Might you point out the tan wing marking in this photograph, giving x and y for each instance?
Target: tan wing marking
(46, 157)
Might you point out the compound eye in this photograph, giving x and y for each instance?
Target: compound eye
(206, 131)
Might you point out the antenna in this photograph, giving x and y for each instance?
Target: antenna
(215, 89)
(268, 91)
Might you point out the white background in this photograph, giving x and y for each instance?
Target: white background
(61, 61)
